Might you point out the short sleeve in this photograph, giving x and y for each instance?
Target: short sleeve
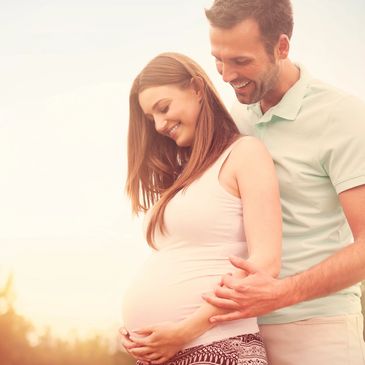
(342, 147)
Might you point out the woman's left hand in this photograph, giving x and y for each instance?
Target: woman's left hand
(158, 343)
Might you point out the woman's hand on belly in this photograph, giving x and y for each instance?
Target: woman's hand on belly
(125, 341)
(158, 343)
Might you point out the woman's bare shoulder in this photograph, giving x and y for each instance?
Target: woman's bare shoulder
(249, 148)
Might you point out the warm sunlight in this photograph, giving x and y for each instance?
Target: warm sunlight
(67, 233)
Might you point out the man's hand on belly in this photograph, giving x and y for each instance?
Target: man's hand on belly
(246, 296)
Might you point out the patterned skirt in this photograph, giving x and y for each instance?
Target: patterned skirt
(240, 350)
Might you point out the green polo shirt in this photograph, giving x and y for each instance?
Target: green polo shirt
(316, 136)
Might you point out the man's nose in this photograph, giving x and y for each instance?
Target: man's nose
(228, 73)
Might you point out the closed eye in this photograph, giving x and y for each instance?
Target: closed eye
(241, 62)
(165, 109)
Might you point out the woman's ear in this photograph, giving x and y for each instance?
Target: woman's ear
(197, 84)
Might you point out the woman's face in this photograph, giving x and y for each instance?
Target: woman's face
(173, 110)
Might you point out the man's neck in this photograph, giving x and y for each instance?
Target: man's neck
(288, 75)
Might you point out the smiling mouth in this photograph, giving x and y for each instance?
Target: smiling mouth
(240, 85)
(171, 131)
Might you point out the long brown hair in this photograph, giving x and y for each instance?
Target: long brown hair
(157, 167)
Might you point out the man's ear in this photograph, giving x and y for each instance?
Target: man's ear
(198, 85)
(282, 46)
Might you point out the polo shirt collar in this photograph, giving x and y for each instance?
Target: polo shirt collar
(289, 106)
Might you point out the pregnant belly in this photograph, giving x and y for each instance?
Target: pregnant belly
(170, 288)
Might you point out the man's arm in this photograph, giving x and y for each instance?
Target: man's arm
(347, 266)
(259, 294)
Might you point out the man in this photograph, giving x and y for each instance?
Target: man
(315, 133)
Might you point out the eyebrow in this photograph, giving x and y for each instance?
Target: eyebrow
(243, 58)
(155, 105)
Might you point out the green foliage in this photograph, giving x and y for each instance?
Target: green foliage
(17, 348)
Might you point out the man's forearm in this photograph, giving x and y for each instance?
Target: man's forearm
(339, 271)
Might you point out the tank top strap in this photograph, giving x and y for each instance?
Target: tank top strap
(215, 169)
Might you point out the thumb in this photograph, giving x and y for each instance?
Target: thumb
(144, 331)
(123, 331)
(243, 264)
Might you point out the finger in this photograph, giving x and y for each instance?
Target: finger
(125, 340)
(153, 356)
(127, 343)
(222, 278)
(236, 285)
(242, 264)
(139, 358)
(142, 351)
(142, 360)
(221, 303)
(227, 317)
(159, 361)
(123, 331)
(230, 282)
(141, 341)
(143, 331)
(226, 293)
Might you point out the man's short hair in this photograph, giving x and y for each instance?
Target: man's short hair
(274, 17)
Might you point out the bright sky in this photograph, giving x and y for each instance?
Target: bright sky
(66, 68)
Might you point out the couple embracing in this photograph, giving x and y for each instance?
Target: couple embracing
(256, 220)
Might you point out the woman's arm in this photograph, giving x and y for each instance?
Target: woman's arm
(159, 342)
(248, 173)
(259, 191)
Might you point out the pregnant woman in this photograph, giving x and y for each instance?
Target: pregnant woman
(210, 196)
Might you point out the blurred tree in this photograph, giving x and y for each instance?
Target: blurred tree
(13, 329)
(20, 345)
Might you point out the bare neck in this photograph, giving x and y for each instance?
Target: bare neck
(288, 75)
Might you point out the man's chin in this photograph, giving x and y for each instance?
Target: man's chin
(243, 99)
(246, 99)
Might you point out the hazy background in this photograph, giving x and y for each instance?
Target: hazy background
(66, 68)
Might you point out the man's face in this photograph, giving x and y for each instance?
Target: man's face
(242, 60)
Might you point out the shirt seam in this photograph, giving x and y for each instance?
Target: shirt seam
(324, 131)
(349, 179)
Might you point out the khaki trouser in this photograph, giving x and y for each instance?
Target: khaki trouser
(334, 340)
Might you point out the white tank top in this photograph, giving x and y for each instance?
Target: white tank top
(204, 226)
